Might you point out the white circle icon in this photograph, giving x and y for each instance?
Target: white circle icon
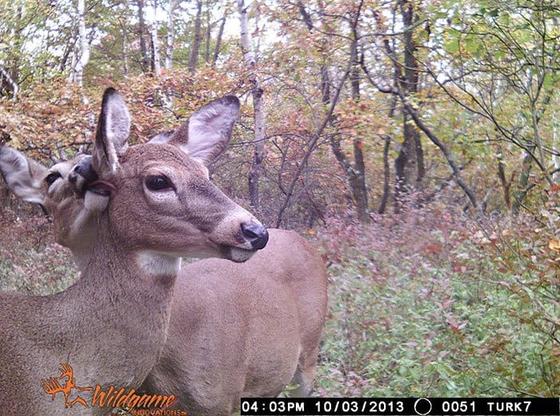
(422, 406)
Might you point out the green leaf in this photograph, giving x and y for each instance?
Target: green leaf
(472, 44)
(452, 44)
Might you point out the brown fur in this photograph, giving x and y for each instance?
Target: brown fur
(250, 329)
(220, 348)
(111, 325)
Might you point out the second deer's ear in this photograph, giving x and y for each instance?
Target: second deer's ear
(113, 129)
(208, 132)
(23, 176)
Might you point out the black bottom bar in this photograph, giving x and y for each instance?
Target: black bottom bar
(401, 406)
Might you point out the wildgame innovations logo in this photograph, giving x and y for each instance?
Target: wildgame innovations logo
(127, 400)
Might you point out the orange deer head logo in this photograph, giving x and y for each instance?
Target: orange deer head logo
(53, 386)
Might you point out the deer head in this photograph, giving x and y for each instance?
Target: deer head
(157, 196)
(54, 189)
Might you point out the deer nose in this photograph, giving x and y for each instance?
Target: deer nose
(84, 168)
(256, 233)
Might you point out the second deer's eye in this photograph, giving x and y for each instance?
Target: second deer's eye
(158, 183)
(51, 177)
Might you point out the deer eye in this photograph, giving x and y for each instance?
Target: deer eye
(158, 183)
(52, 177)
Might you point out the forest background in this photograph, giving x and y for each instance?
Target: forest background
(417, 143)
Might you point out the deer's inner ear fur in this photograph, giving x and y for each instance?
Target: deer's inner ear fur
(23, 176)
(208, 131)
(113, 129)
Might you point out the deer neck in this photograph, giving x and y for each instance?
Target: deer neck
(115, 317)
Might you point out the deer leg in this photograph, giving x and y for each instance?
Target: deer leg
(305, 374)
(304, 379)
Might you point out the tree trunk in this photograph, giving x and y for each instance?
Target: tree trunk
(325, 78)
(355, 172)
(397, 91)
(6, 81)
(125, 51)
(358, 178)
(156, 58)
(386, 176)
(258, 107)
(325, 85)
(170, 35)
(523, 185)
(141, 36)
(409, 165)
(197, 38)
(208, 34)
(219, 41)
(70, 46)
(83, 58)
(555, 148)
(502, 176)
(16, 44)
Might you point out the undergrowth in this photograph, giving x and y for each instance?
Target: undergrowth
(438, 305)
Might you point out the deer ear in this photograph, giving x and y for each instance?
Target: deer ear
(23, 176)
(208, 132)
(113, 129)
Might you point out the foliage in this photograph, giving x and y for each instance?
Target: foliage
(438, 305)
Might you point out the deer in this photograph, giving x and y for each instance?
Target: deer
(152, 204)
(254, 327)
(219, 350)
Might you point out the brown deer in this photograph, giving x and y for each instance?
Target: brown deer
(253, 328)
(250, 330)
(151, 204)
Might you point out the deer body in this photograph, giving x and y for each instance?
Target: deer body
(251, 329)
(152, 204)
